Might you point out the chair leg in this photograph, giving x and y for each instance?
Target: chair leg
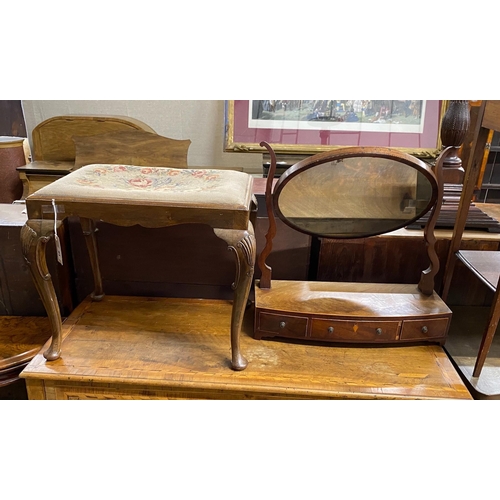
(242, 243)
(488, 335)
(35, 235)
(89, 230)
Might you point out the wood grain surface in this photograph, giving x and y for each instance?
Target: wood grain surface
(148, 348)
(53, 138)
(355, 300)
(21, 338)
(131, 147)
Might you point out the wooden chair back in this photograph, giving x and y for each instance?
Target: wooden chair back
(483, 263)
(131, 147)
(488, 119)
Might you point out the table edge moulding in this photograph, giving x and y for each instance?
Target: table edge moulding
(352, 313)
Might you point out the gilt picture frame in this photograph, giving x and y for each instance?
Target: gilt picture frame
(312, 126)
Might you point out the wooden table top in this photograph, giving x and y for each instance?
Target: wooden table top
(183, 345)
(48, 167)
(485, 264)
(353, 300)
(21, 337)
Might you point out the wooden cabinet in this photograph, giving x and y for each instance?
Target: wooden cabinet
(425, 329)
(350, 312)
(286, 325)
(354, 331)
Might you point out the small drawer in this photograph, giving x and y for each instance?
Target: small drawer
(354, 331)
(424, 329)
(282, 324)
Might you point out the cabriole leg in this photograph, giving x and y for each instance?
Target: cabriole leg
(35, 235)
(242, 243)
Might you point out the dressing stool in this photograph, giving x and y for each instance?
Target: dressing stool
(152, 197)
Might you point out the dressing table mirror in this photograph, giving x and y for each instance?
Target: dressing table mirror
(347, 193)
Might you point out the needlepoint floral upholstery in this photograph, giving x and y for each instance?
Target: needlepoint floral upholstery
(209, 188)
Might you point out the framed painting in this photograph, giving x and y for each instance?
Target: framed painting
(311, 126)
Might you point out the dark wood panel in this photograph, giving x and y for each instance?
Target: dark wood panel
(291, 251)
(194, 260)
(485, 265)
(388, 259)
(164, 261)
(374, 260)
(355, 331)
(177, 261)
(18, 294)
(14, 391)
(423, 329)
(466, 288)
(12, 119)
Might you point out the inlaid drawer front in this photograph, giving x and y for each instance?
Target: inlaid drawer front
(359, 331)
(282, 324)
(423, 329)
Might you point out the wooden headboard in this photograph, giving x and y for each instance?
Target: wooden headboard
(53, 138)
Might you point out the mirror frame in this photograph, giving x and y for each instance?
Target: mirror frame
(335, 155)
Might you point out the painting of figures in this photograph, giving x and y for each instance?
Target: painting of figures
(397, 116)
(312, 125)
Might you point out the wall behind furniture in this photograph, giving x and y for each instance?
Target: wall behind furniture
(200, 121)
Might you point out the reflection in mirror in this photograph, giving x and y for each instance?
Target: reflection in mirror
(355, 197)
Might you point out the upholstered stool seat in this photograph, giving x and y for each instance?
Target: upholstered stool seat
(151, 197)
(220, 198)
